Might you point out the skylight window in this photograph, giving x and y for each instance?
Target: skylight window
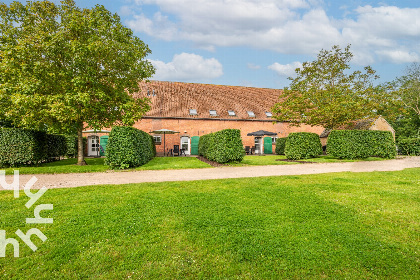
(213, 113)
(193, 112)
(231, 113)
(268, 114)
(251, 114)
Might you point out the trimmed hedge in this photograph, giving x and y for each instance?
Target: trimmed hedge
(71, 146)
(56, 145)
(301, 145)
(351, 144)
(128, 147)
(21, 146)
(24, 146)
(280, 145)
(409, 146)
(222, 146)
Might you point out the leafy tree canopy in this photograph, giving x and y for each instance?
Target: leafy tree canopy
(325, 93)
(69, 68)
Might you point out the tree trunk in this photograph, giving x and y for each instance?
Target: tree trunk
(80, 148)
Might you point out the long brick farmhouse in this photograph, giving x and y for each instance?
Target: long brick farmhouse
(194, 110)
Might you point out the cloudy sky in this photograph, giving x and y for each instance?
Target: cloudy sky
(260, 42)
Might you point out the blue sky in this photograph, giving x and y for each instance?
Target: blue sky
(259, 43)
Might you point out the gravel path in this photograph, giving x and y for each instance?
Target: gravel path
(84, 179)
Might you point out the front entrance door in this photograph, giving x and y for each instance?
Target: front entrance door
(258, 145)
(194, 145)
(104, 141)
(185, 144)
(93, 146)
(268, 145)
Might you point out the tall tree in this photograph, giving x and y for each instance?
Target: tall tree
(324, 93)
(71, 68)
(406, 89)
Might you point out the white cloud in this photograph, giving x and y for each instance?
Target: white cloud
(399, 56)
(253, 66)
(187, 67)
(285, 26)
(287, 70)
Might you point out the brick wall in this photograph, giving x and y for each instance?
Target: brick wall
(382, 124)
(201, 127)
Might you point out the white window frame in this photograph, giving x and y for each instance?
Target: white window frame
(157, 139)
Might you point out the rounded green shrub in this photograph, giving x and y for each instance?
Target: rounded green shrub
(222, 146)
(409, 146)
(128, 147)
(280, 145)
(352, 144)
(301, 145)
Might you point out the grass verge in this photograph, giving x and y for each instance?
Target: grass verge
(337, 226)
(97, 165)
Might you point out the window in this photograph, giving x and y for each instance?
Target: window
(193, 112)
(274, 139)
(157, 139)
(231, 113)
(268, 114)
(251, 114)
(213, 113)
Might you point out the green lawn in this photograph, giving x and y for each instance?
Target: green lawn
(97, 165)
(161, 163)
(335, 226)
(273, 160)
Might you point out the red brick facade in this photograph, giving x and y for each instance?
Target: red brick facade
(197, 127)
(199, 109)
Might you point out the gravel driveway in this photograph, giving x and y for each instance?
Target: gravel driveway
(84, 179)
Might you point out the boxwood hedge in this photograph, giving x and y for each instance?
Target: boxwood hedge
(71, 146)
(409, 146)
(24, 146)
(128, 147)
(351, 144)
(301, 145)
(222, 146)
(280, 144)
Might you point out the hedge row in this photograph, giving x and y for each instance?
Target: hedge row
(129, 147)
(351, 144)
(280, 145)
(222, 146)
(301, 145)
(409, 146)
(23, 146)
(72, 146)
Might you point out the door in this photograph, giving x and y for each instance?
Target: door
(268, 145)
(93, 146)
(194, 145)
(185, 144)
(258, 145)
(103, 142)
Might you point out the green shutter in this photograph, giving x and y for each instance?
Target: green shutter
(103, 141)
(194, 145)
(268, 145)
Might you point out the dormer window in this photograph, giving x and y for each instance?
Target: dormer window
(251, 114)
(213, 113)
(231, 113)
(193, 112)
(268, 114)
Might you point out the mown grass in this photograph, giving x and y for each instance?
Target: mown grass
(162, 163)
(336, 226)
(97, 165)
(277, 160)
